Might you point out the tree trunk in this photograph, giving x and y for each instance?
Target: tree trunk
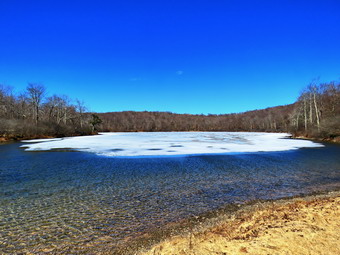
(310, 110)
(305, 112)
(37, 113)
(316, 112)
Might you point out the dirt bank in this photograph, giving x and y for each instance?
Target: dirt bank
(309, 225)
(335, 139)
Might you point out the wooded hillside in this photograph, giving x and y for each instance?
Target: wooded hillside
(317, 111)
(274, 119)
(315, 114)
(33, 113)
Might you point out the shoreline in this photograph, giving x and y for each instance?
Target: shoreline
(335, 140)
(3, 140)
(234, 229)
(270, 227)
(259, 227)
(245, 224)
(14, 139)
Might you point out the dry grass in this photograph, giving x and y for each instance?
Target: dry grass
(298, 226)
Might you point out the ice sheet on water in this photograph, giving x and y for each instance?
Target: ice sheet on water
(41, 140)
(172, 143)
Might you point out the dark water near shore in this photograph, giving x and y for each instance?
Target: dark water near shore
(50, 200)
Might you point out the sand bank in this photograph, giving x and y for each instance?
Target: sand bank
(309, 225)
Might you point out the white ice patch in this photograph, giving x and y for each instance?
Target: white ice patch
(172, 143)
(42, 140)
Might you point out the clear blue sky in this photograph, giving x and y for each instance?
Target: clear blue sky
(180, 56)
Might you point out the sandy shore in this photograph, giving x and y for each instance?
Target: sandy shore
(309, 225)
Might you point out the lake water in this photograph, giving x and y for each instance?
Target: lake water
(60, 199)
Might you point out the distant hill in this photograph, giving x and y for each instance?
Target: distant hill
(273, 119)
(316, 114)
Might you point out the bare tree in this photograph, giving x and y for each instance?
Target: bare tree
(36, 94)
(80, 108)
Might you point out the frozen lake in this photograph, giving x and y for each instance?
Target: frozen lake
(117, 186)
(172, 143)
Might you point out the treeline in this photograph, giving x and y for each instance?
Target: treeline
(315, 114)
(317, 111)
(32, 113)
(275, 119)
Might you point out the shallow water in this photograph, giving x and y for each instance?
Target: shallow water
(50, 200)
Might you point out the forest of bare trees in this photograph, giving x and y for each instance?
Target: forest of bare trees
(317, 111)
(315, 114)
(275, 119)
(33, 113)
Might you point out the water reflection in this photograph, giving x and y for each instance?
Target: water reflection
(54, 200)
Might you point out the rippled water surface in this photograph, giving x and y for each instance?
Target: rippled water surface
(50, 200)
